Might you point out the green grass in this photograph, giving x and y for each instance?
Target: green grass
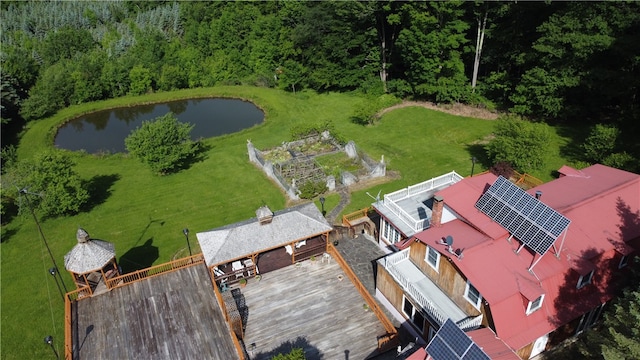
(140, 209)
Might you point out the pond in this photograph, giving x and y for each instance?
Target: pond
(105, 131)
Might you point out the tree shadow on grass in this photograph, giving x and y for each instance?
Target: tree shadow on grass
(99, 188)
(310, 352)
(573, 150)
(200, 154)
(139, 257)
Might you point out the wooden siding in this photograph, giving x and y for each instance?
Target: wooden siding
(525, 351)
(174, 316)
(448, 279)
(312, 305)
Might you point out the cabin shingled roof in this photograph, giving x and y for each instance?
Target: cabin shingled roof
(234, 241)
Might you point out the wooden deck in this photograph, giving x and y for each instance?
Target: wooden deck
(307, 306)
(173, 316)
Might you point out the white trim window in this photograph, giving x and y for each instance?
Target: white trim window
(413, 314)
(624, 261)
(389, 233)
(585, 280)
(432, 257)
(472, 295)
(535, 304)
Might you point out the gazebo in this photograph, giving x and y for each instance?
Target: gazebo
(91, 261)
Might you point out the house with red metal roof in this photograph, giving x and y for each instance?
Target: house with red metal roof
(535, 266)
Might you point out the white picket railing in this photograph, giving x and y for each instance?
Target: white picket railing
(390, 263)
(390, 199)
(470, 323)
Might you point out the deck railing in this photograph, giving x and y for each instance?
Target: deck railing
(348, 218)
(388, 340)
(139, 275)
(227, 319)
(70, 297)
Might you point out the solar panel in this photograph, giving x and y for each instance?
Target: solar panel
(451, 343)
(528, 219)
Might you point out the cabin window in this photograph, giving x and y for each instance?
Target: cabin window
(535, 304)
(413, 314)
(433, 258)
(624, 261)
(390, 233)
(585, 279)
(472, 295)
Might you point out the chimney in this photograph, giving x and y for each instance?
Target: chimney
(436, 211)
(538, 194)
(82, 236)
(264, 215)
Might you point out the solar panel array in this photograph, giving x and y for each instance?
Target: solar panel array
(535, 224)
(451, 343)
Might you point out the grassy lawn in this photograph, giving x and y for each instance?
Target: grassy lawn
(138, 211)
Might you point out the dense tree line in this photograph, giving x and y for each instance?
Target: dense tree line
(575, 62)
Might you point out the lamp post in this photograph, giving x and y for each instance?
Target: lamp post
(185, 231)
(46, 244)
(473, 164)
(49, 341)
(53, 271)
(322, 204)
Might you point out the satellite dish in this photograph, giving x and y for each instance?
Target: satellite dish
(449, 240)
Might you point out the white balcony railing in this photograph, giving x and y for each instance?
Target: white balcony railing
(426, 304)
(391, 264)
(390, 199)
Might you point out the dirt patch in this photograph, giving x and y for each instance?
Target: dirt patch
(453, 109)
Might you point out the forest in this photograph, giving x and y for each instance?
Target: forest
(554, 62)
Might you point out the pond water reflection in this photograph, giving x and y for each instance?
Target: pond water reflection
(105, 131)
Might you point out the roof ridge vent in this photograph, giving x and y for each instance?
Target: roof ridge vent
(83, 236)
(264, 215)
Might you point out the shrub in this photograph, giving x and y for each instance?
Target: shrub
(50, 175)
(163, 143)
(502, 168)
(521, 143)
(601, 142)
(311, 189)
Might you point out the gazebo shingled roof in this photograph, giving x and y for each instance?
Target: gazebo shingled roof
(89, 254)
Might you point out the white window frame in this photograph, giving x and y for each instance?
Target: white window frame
(430, 250)
(477, 303)
(585, 280)
(412, 316)
(389, 233)
(532, 304)
(624, 261)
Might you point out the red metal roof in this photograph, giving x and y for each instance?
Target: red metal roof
(603, 205)
(492, 345)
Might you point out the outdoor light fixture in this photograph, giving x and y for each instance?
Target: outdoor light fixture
(49, 341)
(322, 204)
(54, 271)
(185, 231)
(473, 164)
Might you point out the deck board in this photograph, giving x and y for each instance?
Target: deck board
(172, 316)
(307, 306)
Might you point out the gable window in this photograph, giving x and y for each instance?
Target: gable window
(535, 304)
(585, 279)
(624, 261)
(413, 314)
(472, 295)
(432, 257)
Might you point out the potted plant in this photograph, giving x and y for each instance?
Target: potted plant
(258, 277)
(243, 282)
